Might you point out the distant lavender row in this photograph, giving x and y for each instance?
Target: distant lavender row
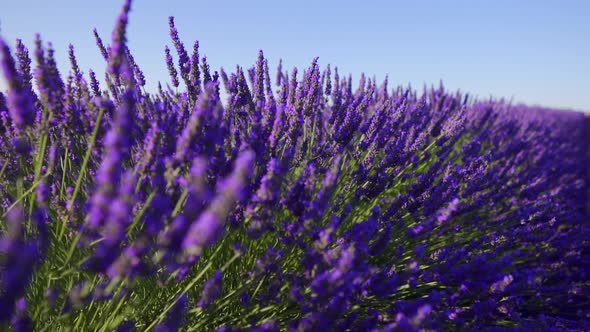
(298, 204)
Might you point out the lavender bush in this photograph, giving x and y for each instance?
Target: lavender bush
(299, 203)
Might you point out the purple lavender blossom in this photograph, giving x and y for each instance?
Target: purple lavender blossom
(19, 258)
(175, 317)
(171, 69)
(211, 224)
(21, 322)
(19, 101)
(183, 58)
(117, 145)
(118, 48)
(211, 290)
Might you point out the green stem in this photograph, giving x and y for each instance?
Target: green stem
(86, 158)
(38, 166)
(22, 196)
(162, 315)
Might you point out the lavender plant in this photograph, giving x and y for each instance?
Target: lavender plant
(300, 205)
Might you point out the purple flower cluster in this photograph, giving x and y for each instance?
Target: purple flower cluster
(304, 204)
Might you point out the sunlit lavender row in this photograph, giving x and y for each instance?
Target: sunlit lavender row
(289, 202)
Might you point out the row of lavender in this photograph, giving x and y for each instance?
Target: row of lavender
(307, 205)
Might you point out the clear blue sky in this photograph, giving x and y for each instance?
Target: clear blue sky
(536, 52)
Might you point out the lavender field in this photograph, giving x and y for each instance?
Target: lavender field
(281, 200)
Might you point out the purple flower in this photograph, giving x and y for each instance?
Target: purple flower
(118, 47)
(18, 263)
(21, 322)
(195, 74)
(211, 224)
(100, 44)
(171, 69)
(183, 58)
(175, 317)
(207, 105)
(117, 145)
(443, 215)
(24, 65)
(211, 290)
(127, 326)
(20, 105)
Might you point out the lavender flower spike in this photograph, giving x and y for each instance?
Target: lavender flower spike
(211, 223)
(20, 105)
(17, 264)
(118, 47)
(211, 290)
(171, 70)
